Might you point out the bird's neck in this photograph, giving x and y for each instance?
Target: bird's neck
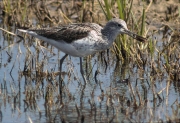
(108, 35)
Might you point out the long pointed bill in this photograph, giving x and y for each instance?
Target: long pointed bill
(135, 36)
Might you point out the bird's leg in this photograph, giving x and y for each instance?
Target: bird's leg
(61, 62)
(82, 72)
(60, 79)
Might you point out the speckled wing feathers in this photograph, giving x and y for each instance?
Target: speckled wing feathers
(67, 33)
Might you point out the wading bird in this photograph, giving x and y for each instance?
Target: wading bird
(80, 40)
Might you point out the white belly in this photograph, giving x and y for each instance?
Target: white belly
(73, 49)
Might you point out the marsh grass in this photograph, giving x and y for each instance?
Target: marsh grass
(7, 6)
(132, 79)
(152, 45)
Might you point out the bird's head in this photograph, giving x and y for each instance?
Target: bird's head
(118, 26)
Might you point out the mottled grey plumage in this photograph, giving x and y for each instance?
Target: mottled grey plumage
(68, 33)
(83, 39)
(73, 32)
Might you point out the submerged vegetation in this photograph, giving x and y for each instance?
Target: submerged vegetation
(131, 82)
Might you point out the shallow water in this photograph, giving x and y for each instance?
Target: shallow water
(119, 92)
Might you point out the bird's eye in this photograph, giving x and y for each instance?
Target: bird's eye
(119, 25)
